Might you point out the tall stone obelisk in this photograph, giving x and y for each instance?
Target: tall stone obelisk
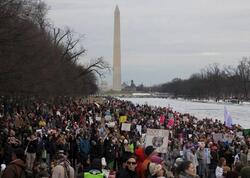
(117, 52)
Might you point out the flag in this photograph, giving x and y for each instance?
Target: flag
(162, 119)
(170, 122)
(227, 118)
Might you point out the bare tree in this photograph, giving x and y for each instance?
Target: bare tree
(70, 46)
(243, 71)
(98, 66)
(38, 59)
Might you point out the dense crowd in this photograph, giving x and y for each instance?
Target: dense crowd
(68, 137)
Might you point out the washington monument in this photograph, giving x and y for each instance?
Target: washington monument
(117, 52)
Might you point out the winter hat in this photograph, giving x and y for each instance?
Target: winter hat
(154, 168)
(3, 166)
(156, 159)
(148, 150)
(178, 161)
(104, 163)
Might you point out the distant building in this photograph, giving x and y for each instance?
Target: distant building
(132, 87)
(124, 85)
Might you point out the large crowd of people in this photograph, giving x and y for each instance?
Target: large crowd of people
(75, 137)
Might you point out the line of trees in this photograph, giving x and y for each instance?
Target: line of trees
(213, 82)
(37, 58)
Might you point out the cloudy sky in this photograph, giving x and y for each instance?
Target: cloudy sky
(160, 39)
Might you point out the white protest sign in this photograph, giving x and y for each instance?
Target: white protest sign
(98, 118)
(126, 126)
(217, 137)
(158, 138)
(138, 128)
(111, 124)
(90, 121)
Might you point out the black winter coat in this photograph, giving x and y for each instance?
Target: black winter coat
(126, 173)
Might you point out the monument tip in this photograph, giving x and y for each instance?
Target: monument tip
(116, 8)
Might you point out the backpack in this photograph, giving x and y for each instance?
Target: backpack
(93, 174)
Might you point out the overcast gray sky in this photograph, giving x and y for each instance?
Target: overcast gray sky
(160, 39)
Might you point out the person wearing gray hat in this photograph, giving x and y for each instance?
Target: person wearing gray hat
(63, 168)
(43, 171)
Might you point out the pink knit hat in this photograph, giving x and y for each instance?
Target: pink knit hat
(156, 159)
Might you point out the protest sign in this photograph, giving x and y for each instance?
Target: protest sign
(126, 127)
(90, 121)
(123, 119)
(98, 118)
(217, 137)
(158, 138)
(111, 124)
(139, 128)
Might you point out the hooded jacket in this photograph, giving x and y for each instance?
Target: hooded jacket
(139, 152)
(14, 169)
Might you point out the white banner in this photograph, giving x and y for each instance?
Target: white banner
(138, 128)
(126, 126)
(111, 124)
(158, 138)
(98, 118)
(218, 137)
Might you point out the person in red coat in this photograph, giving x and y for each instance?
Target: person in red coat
(139, 152)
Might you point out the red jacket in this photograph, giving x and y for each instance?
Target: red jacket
(139, 152)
